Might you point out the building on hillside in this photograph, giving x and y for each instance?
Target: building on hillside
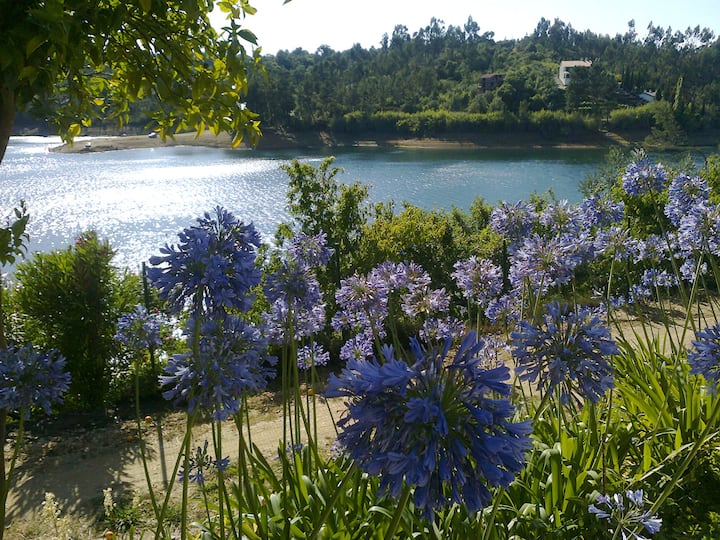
(490, 81)
(647, 96)
(566, 67)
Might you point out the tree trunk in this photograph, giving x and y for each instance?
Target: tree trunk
(7, 117)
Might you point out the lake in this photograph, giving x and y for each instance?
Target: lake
(140, 199)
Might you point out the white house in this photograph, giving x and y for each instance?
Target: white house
(566, 66)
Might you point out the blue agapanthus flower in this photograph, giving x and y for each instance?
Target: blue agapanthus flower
(566, 349)
(212, 268)
(479, 280)
(441, 426)
(684, 193)
(624, 517)
(513, 221)
(643, 176)
(139, 329)
(704, 357)
(229, 359)
(31, 378)
(312, 355)
(200, 463)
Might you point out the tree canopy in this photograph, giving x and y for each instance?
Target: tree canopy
(72, 61)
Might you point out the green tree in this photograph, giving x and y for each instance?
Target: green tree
(73, 61)
(319, 203)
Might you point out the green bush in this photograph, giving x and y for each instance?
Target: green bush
(70, 300)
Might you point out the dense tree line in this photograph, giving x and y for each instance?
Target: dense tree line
(412, 80)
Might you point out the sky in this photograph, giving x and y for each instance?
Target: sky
(340, 24)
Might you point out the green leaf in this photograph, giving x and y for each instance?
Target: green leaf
(146, 5)
(34, 43)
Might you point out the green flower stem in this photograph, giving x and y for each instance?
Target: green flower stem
(402, 503)
(143, 455)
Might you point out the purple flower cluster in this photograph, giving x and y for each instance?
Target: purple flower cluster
(540, 262)
(704, 357)
(200, 463)
(441, 426)
(513, 221)
(684, 194)
(642, 176)
(31, 378)
(479, 280)
(139, 330)
(566, 349)
(365, 303)
(228, 358)
(312, 355)
(212, 268)
(626, 518)
(297, 309)
(601, 212)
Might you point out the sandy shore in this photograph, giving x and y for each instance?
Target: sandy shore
(272, 140)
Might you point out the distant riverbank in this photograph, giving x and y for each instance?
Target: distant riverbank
(275, 140)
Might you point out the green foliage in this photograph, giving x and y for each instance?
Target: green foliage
(70, 300)
(319, 203)
(106, 56)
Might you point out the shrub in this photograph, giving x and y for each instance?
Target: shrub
(69, 300)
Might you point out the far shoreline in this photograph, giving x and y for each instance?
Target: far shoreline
(272, 140)
(277, 140)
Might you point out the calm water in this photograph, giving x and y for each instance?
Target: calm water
(140, 199)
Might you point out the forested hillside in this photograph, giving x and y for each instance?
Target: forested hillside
(428, 82)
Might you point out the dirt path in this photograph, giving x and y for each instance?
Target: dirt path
(78, 464)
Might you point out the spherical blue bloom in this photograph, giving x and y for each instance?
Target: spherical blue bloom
(626, 518)
(424, 301)
(229, 359)
(541, 263)
(601, 212)
(704, 358)
(212, 268)
(689, 269)
(562, 218)
(31, 378)
(312, 355)
(438, 329)
(699, 229)
(684, 193)
(505, 309)
(614, 241)
(310, 251)
(297, 309)
(363, 304)
(642, 176)
(568, 350)
(440, 425)
(479, 280)
(514, 222)
(140, 329)
(359, 347)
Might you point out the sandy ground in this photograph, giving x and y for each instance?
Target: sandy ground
(77, 463)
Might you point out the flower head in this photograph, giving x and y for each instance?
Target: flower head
(200, 463)
(513, 221)
(642, 176)
(140, 329)
(566, 349)
(310, 251)
(479, 280)
(230, 359)
(312, 355)
(31, 378)
(212, 267)
(704, 358)
(684, 193)
(433, 423)
(626, 517)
